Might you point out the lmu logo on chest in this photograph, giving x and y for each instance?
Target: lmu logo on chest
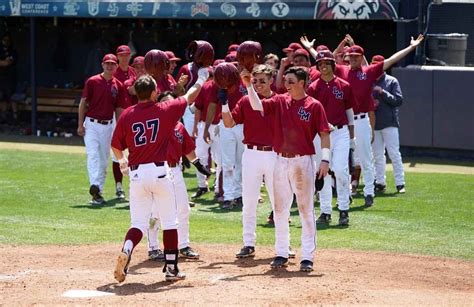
(179, 136)
(361, 75)
(114, 91)
(337, 93)
(303, 114)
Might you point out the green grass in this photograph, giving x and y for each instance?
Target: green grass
(44, 200)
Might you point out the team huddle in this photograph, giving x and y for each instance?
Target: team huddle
(295, 129)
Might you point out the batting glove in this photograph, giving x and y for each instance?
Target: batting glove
(201, 168)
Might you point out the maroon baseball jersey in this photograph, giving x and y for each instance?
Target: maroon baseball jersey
(208, 95)
(258, 129)
(180, 144)
(103, 97)
(166, 83)
(234, 94)
(297, 122)
(336, 97)
(146, 129)
(362, 81)
(132, 99)
(123, 76)
(314, 74)
(191, 70)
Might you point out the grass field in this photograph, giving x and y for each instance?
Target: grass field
(44, 200)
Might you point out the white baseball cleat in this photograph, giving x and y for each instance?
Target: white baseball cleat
(174, 275)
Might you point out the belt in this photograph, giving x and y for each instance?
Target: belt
(360, 116)
(260, 148)
(135, 167)
(172, 164)
(288, 155)
(100, 121)
(338, 127)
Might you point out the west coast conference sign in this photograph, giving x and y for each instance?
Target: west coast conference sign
(303, 10)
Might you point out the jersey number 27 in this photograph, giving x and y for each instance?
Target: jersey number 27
(140, 128)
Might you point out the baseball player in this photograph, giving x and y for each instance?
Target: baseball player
(297, 119)
(337, 99)
(139, 66)
(299, 57)
(201, 128)
(181, 144)
(145, 130)
(362, 80)
(173, 61)
(103, 95)
(388, 98)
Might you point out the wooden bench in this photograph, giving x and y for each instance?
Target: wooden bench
(55, 100)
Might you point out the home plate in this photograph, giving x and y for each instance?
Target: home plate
(85, 293)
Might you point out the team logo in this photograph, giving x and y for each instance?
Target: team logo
(303, 114)
(15, 6)
(179, 136)
(253, 9)
(114, 91)
(354, 9)
(228, 9)
(243, 90)
(280, 9)
(337, 93)
(200, 8)
(93, 7)
(113, 9)
(361, 75)
(70, 8)
(156, 8)
(134, 8)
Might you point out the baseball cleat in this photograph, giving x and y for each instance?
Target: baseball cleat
(99, 200)
(380, 188)
(94, 190)
(306, 266)
(270, 220)
(279, 262)
(401, 189)
(228, 205)
(121, 267)
(324, 218)
(369, 201)
(120, 194)
(156, 255)
(189, 253)
(344, 218)
(174, 275)
(200, 192)
(238, 201)
(245, 252)
(291, 253)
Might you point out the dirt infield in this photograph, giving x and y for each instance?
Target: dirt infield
(47, 274)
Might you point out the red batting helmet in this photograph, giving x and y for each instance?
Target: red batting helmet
(249, 53)
(201, 53)
(226, 75)
(157, 63)
(325, 55)
(231, 57)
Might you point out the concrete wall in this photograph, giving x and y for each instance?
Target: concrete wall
(438, 107)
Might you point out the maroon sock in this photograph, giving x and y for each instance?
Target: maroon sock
(170, 239)
(135, 235)
(117, 173)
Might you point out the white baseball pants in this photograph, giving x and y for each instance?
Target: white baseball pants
(188, 120)
(232, 149)
(202, 152)
(363, 152)
(339, 164)
(97, 139)
(388, 139)
(294, 176)
(152, 189)
(256, 166)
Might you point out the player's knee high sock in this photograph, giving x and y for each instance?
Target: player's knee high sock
(117, 173)
(132, 238)
(170, 243)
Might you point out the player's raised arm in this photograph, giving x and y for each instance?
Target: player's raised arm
(193, 92)
(397, 56)
(255, 101)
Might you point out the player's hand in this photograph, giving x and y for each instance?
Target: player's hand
(246, 77)
(306, 43)
(81, 131)
(352, 144)
(222, 96)
(195, 132)
(206, 136)
(323, 169)
(378, 89)
(123, 166)
(183, 80)
(417, 41)
(285, 62)
(203, 73)
(201, 168)
(349, 40)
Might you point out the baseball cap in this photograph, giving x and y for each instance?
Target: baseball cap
(322, 47)
(292, 47)
(171, 56)
(110, 58)
(139, 60)
(355, 50)
(123, 49)
(377, 59)
(302, 52)
(232, 47)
